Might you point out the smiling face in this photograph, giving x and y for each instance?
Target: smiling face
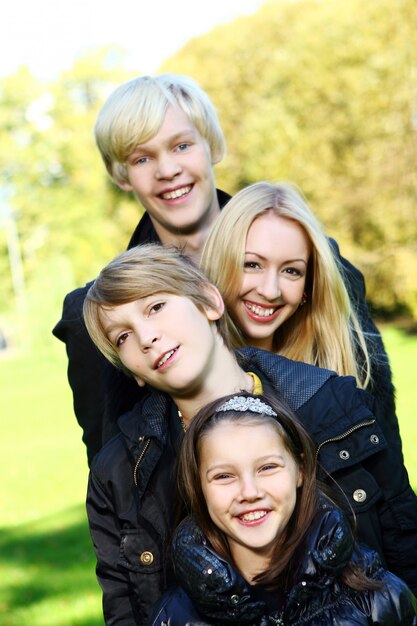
(172, 177)
(273, 279)
(250, 487)
(165, 341)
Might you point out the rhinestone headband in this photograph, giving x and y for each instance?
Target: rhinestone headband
(244, 403)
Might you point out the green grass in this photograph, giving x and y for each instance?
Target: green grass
(402, 350)
(46, 557)
(47, 562)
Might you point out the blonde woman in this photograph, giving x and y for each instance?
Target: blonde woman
(285, 289)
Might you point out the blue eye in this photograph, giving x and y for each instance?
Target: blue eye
(142, 160)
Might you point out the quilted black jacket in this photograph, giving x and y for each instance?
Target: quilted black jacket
(212, 592)
(131, 482)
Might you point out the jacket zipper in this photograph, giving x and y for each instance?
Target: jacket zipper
(346, 434)
(138, 462)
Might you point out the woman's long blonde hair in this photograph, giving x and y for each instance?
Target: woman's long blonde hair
(324, 331)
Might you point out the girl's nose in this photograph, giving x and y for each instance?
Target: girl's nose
(268, 286)
(249, 489)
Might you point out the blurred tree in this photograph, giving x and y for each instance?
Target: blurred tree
(323, 93)
(69, 215)
(319, 92)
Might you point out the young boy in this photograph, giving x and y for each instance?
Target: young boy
(159, 137)
(152, 313)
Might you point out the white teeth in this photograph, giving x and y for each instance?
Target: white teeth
(253, 515)
(171, 195)
(165, 358)
(258, 310)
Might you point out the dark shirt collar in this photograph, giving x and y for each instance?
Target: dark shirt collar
(146, 233)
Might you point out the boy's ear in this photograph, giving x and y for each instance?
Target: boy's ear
(216, 311)
(123, 186)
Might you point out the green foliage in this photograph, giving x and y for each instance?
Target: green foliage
(319, 92)
(63, 203)
(324, 93)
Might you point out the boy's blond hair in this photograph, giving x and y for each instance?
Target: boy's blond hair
(135, 111)
(138, 273)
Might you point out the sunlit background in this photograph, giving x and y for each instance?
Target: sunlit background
(322, 93)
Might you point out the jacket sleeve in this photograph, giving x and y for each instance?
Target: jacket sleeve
(119, 600)
(85, 370)
(101, 393)
(394, 605)
(175, 609)
(367, 464)
(381, 386)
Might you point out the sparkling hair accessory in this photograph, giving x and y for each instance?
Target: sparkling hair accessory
(243, 403)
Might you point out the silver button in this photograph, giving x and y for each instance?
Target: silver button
(374, 439)
(235, 599)
(359, 495)
(344, 454)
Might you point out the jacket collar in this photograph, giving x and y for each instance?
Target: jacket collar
(149, 418)
(280, 374)
(146, 233)
(219, 592)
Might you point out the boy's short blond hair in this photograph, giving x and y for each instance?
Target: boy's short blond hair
(138, 273)
(135, 111)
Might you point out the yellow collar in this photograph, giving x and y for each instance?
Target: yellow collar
(257, 384)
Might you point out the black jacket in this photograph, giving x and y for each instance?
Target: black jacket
(131, 482)
(213, 593)
(101, 393)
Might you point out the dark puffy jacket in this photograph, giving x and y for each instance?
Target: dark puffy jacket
(212, 592)
(131, 482)
(101, 394)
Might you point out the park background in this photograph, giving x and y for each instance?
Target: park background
(322, 93)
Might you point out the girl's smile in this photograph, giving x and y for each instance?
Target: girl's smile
(277, 251)
(250, 487)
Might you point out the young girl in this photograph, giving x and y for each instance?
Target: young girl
(285, 291)
(263, 544)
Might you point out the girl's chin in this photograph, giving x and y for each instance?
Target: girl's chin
(263, 342)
